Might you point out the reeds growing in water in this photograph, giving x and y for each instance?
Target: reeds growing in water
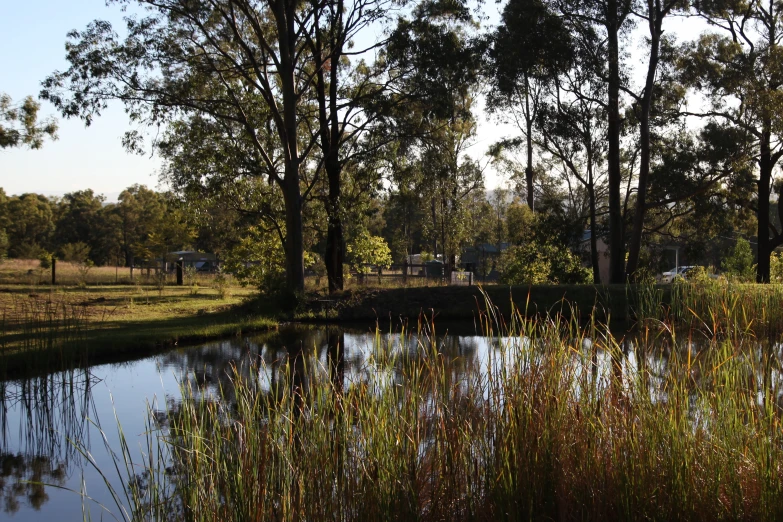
(560, 421)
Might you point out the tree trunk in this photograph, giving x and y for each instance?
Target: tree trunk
(593, 240)
(335, 253)
(529, 138)
(616, 240)
(765, 181)
(330, 142)
(656, 25)
(285, 15)
(294, 239)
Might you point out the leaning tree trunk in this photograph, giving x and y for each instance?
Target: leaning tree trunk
(655, 20)
(529, 137)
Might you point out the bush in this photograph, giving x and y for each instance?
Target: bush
(75, 252)
(368, 250)
(45, 258)
(258, 260)
(776, 267)
(738, 261)
(536, 263)
(4, 243)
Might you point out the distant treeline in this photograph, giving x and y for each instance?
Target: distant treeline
(83, 226)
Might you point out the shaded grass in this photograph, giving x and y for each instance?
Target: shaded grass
(84, 326)
(563, 422)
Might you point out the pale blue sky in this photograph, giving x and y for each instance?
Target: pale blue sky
(32, 40)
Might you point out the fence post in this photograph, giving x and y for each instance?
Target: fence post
(54, 270)
(179, 273)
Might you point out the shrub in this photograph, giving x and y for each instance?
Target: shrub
(738, 261)
(4, 243)
(368, 250)
(535, 263)
(221, 283)
(75, 252)
(45, 258)
(258, 260)
(776, 267)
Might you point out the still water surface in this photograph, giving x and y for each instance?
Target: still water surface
(52, 426)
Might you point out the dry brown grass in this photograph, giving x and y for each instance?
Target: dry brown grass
(29, 272)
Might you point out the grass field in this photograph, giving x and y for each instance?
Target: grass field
(105, 320)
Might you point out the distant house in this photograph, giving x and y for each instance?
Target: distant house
(482, 259)
(603, 254)
(201, 261)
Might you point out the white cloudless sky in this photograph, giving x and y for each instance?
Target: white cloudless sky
(32, 46)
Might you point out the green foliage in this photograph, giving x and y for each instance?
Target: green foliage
(541, 263)
(521, 221)
(84, 268)
(19, 124)
(314, 263)
(45, 260)
(75, 252)
(699, 275)
(3, 244)
(776, 267)
(738, 261)
(368, 250)
(222, 283)
(258, 260)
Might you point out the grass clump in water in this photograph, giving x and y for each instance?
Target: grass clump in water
(557, 421)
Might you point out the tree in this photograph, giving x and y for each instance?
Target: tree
(530, 47)
(79, 217)
(140, 211)
(19, 124)
(30, 225)
(368, 250)
(541, 263)
(573, 128)
(737, 66)
(220, 59)
(656, 11)
(738, 261)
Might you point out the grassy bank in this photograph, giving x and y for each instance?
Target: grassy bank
(43, 327)
(716, 304)
(568, 423)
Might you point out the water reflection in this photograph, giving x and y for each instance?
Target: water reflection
(38, 416)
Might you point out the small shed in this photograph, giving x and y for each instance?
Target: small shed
(201, 261)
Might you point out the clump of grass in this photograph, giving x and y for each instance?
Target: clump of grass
(562, 422)
(727, 307)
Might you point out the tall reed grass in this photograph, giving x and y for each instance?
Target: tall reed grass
(40, 326)
(559, 422)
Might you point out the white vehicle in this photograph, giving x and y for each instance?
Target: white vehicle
(668, 277)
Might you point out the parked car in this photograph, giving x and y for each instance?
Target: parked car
(668, 277)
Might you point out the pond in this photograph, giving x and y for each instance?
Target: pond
(62, 430)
